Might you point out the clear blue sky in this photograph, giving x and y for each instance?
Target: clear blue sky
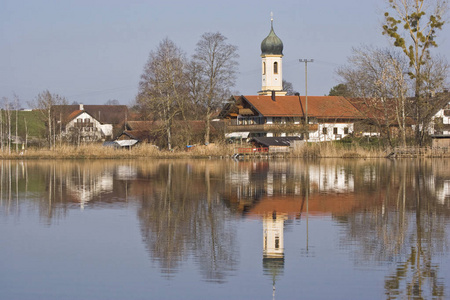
(93, 51)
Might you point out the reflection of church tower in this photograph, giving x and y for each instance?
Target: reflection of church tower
(272, 70)
(273, 247)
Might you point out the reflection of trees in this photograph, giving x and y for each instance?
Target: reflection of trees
(406, 227)
(181, 214)
(53, 187)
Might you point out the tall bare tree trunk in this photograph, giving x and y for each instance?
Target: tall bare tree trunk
(26, 133)
(49, 128)
(17, 121)
(9, 129)
(1, 130)
(207, 124)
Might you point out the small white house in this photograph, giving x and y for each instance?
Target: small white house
(84, 126)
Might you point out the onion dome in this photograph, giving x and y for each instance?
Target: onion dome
(272, 44)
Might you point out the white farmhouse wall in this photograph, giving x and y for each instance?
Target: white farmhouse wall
(320, 136)
(104, 130)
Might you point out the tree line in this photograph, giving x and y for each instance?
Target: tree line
(173, 87)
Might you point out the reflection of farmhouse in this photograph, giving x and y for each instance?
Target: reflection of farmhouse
(89, 185)
(84, 187)
(89, 123)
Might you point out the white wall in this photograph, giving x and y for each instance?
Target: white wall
(319, 136)
(104, 129)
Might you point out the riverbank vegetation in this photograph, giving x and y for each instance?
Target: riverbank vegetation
(340, 149)
(346, 148)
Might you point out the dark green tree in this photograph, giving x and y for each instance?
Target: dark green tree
(339, 90)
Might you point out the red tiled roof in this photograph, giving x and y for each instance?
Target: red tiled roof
(329, 107)
(74, 114)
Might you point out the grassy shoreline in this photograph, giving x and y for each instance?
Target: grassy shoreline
(217, 151)
(96, 151)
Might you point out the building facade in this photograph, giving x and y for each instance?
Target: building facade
(273, 114)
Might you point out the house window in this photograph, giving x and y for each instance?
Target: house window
(264, 68)
(335, 130)
(346, 130)
(275, 68)
(324, 130)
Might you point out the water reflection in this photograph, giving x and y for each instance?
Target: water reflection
(180, 214)
(393, 214)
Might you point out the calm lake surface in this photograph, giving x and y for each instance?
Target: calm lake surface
(205, 229)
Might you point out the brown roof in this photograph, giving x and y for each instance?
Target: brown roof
(328, 107)
(106, 114)
(140, 135)
(194, 125)
(143, 125)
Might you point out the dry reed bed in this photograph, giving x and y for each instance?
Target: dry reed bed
(328, 150)
(95, 151)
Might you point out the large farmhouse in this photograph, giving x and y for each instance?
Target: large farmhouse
(273, 114)
(329, 117)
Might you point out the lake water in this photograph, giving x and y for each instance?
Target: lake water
(205, 229)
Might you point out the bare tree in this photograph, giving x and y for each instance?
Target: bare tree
(163, 87)
(44, 103)
(217, 66)
(112, 102)
(7, 107)
(413, 26)
(16, 107)
(1, 128)
(289, 88)
(6, 123)
(378, 77)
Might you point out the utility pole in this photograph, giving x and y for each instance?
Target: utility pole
(306, 61)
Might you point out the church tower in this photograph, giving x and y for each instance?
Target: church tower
(272, 67)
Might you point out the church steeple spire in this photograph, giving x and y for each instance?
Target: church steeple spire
(271, 54)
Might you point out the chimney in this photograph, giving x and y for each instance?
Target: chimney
(81, 107)
(273, 95)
